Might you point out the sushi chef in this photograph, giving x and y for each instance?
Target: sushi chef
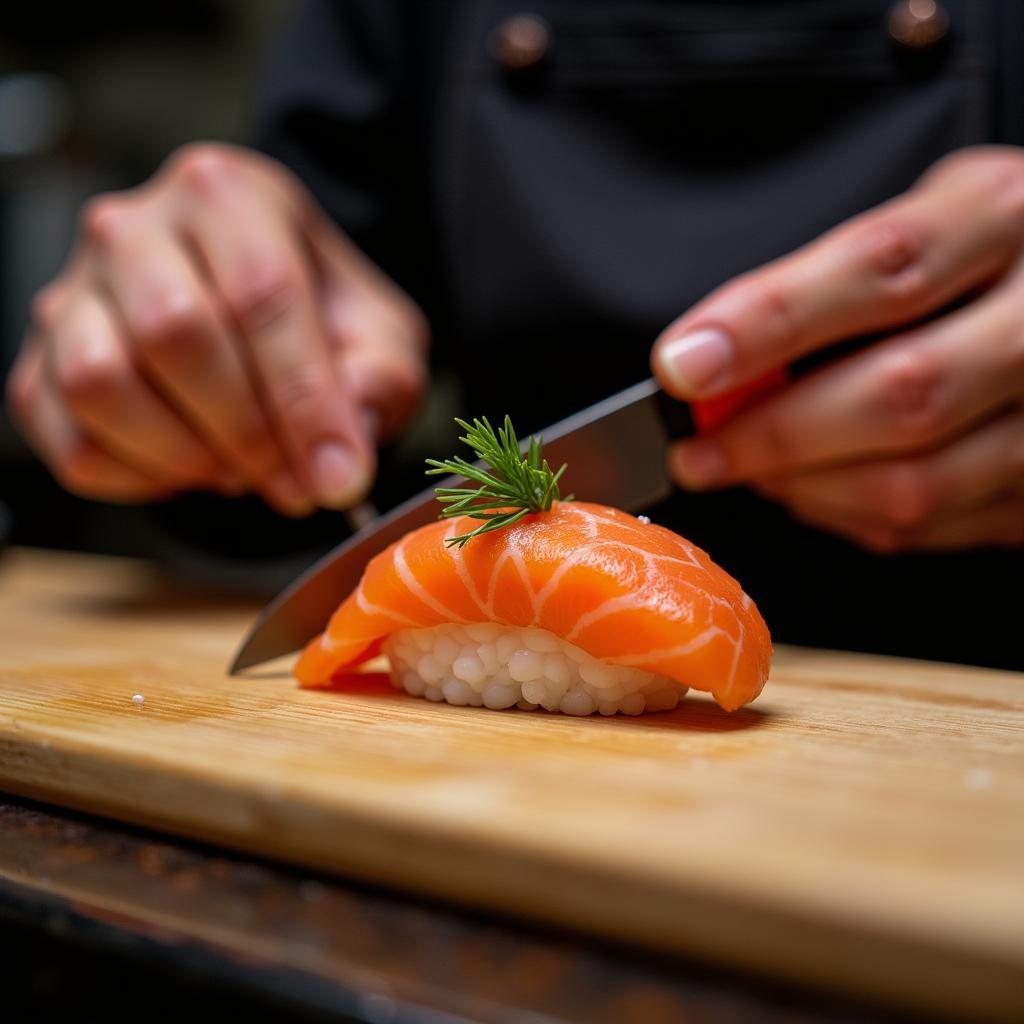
(550, 197)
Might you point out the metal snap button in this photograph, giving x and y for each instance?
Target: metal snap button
(521, 42)
(918, 24)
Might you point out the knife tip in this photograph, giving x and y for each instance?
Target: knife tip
(248, 655)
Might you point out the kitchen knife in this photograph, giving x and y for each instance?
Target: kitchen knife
(616, 456)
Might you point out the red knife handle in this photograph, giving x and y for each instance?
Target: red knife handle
(713, 412)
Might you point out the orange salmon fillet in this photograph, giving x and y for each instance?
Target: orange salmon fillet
(627, 592)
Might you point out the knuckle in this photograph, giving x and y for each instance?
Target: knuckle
(204, 167)
(775, 307)
(952, 163)
(891, 244)
(172, 327)
(267, 297)
(993, 172)
(912, 396)
(893, 251)
(92, 380)
(903, 495)
(106, 218)
(44, 308)
(969, 160)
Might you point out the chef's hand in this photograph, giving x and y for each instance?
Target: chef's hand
(213, 330)
(916, 441)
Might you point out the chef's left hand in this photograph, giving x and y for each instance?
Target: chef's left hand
(916, 441)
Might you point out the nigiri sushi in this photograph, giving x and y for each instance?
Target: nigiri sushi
(576, 607)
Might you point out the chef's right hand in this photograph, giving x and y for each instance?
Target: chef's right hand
(212, 329)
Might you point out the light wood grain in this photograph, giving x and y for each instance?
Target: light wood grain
(861, 826)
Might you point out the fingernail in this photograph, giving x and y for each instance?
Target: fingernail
(698, 464)
(696, 362)
(339, 479)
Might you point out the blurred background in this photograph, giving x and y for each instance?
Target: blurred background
(93, 100)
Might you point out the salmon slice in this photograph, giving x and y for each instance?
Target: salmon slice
(625, 591)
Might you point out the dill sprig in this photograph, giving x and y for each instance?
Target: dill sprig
(518, 484)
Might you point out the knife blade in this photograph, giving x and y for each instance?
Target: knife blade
(616, 455)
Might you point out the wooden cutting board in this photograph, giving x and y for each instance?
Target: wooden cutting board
(861, 826)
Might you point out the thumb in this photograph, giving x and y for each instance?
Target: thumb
(386, 380)
(378, 334)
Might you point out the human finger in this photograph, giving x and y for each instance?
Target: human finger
(902, 395)
(92, 370)
(183, 341)
(378, 334)
(998, 523)
(915, 489)
(261, 270)
(78, 463)
(882, 269)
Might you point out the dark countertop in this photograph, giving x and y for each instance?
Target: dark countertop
(100, 917)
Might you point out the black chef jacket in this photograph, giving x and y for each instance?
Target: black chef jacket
(553, 198)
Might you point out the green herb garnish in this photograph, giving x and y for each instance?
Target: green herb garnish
(518, 485)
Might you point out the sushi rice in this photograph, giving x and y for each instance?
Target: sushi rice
(488, 664)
